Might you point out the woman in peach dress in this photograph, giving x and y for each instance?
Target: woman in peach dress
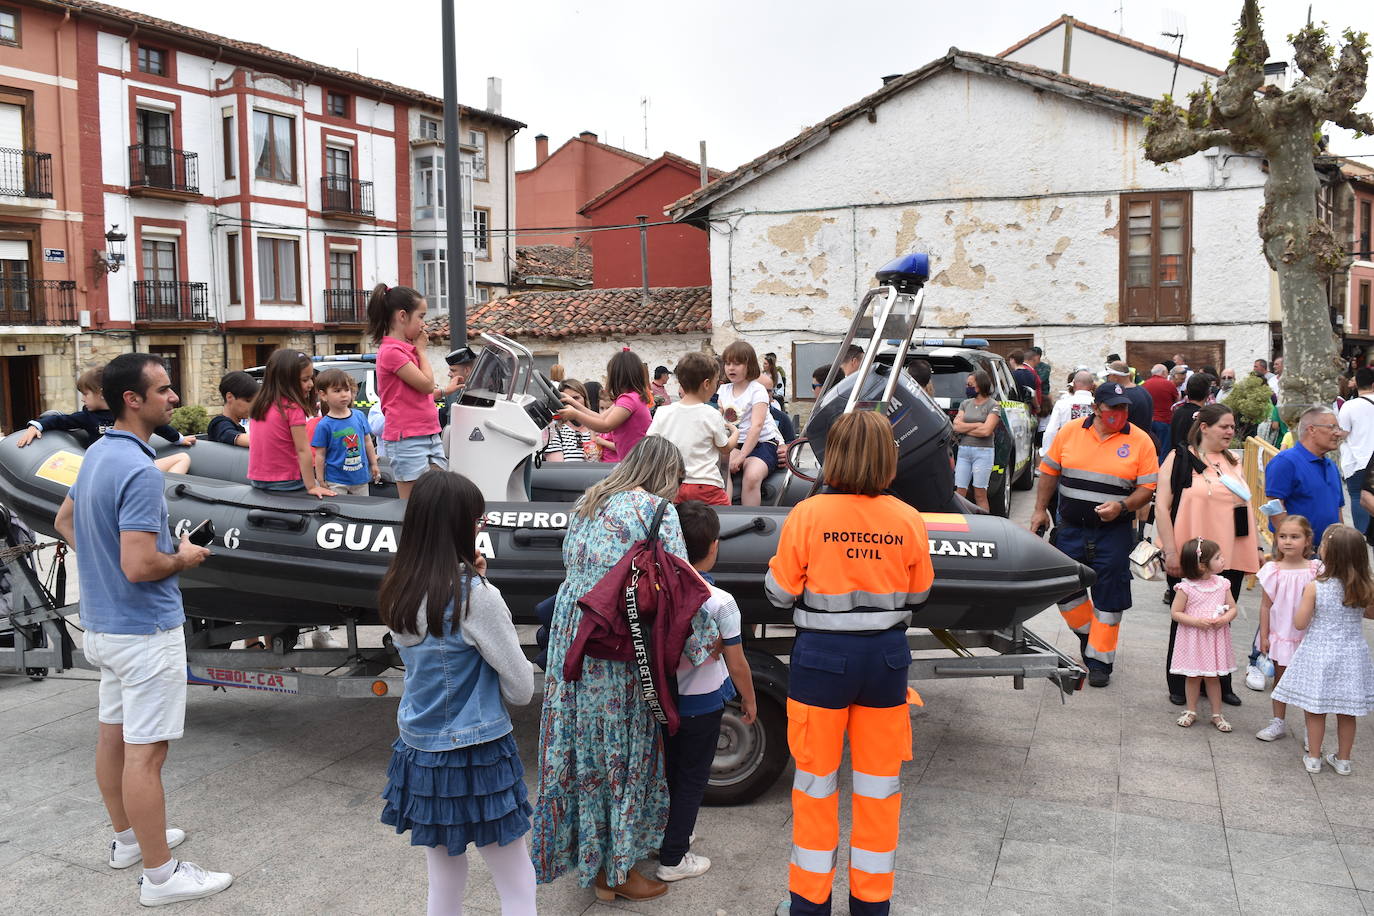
(1202, 494)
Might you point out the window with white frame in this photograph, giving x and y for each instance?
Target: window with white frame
(429, 187)
(430, 129)
(481, 225)
(478, 138)
(431, 277)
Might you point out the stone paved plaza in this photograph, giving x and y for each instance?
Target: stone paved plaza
(1014, 803)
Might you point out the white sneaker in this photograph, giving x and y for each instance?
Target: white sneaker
(690, 866)
(1312, 764)
(122, 855)
(188, 882)
(1254, 678)
(1342, 767)
(1275, 730)
(323, 638)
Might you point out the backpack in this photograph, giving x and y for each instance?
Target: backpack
(641, 612)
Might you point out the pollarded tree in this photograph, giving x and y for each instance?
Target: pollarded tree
(1283, 126)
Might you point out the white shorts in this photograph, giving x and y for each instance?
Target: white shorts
(142, 682)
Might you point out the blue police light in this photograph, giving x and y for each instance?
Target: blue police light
(907, 273)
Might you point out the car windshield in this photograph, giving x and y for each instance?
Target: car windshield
(949, 375)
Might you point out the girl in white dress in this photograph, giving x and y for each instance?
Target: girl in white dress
(1331, 671)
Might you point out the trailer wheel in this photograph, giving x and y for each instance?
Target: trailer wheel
(749, 758)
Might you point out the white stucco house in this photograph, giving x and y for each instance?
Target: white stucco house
(1045, 224)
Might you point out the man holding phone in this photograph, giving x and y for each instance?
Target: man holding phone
(115, 517)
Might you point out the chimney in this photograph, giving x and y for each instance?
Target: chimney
(494, 94)
(1276, 74)
(890, 77)
(588, 135)
(541, 148)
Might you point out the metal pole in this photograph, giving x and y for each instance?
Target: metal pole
(644, 255)
(453, 189)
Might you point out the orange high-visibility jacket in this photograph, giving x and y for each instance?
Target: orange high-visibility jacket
(1092, 470)
(850, 563)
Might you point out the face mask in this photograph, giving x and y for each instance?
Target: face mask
(1113, 421)
(1226, 384)
(970, 391)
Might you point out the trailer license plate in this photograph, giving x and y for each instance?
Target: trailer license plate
(271, 681)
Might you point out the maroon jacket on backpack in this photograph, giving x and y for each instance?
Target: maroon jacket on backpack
(641, 612)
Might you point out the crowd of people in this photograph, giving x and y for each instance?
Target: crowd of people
(1177, 469)
(620, 779)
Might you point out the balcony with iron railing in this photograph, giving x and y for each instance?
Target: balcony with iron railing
(346, 198)
(37, 302)
(160, 171)
(345, 306)
(171, 301)
(25, 174)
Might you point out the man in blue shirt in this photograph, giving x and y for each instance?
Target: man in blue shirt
(115, 516)
(1304, 482)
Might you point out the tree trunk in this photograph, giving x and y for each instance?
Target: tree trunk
(1299, 247)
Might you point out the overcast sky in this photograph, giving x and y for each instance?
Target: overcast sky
(743, 75)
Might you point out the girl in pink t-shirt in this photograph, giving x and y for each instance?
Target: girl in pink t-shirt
(278, 451)
(627, 420)
(405, 384)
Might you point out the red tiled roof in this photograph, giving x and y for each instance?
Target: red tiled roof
(589, 312)
(145, 22)
(1113, 36)
(572, 262)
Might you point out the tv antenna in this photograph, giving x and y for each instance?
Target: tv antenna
(644, 113)
(1174, 24)
(1121, 18)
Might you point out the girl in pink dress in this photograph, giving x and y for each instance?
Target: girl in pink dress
(1204, 610)
(1283, 578)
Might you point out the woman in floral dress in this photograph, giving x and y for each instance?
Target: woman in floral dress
(603, 799)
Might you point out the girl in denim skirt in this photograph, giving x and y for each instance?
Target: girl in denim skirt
(405, 384)
(455, 776)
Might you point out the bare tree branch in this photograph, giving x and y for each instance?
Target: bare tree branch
(1234, 101)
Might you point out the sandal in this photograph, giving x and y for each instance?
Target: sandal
(1187, 719)
(1220, 722)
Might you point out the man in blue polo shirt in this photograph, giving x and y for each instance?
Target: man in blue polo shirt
(1304, 482)
(115, 517)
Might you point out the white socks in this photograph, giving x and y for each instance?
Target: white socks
(126, 837)
(163, 873)
(511, 871)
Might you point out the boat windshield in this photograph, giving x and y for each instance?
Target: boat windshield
(493, 372)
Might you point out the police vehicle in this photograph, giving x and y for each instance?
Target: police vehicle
(1015, 456)
(361, 367)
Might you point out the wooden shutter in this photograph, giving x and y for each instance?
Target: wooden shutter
(1156, 258)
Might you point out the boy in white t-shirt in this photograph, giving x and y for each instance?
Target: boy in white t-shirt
(698, 430)
(702, 694)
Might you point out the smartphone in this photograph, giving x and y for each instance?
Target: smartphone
(203, 534)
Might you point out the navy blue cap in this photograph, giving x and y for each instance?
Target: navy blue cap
(1111, 394)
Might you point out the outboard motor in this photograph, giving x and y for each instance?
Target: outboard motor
(925, 477)
(886, 319)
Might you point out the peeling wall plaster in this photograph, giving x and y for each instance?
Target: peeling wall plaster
(998, 266)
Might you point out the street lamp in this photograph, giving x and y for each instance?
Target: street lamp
(112, 258)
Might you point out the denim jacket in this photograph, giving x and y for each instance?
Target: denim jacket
(455, 684)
